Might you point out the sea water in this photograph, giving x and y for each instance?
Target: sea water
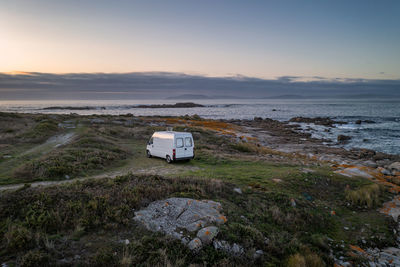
(381, 134)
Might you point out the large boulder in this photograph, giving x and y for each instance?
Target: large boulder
(181, 213)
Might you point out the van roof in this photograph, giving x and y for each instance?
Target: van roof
(172, 132)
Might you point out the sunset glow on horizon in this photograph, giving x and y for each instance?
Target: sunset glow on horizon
(257, 39)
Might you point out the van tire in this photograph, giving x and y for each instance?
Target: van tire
(168, 159)
(148, 154)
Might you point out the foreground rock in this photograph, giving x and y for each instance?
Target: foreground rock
(169, 215)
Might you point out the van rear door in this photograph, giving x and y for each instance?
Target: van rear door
(188, 147)
(180, 147)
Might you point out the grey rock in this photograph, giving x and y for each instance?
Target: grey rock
(395, 166)
(234, 250)
(195, 244)
(370, 163)
(258, 254)
(185, 240)
(237, 190)
(386, 172)
(222, 245)
(207, 234)
(237, 250)
(179, 213)
(97, 121)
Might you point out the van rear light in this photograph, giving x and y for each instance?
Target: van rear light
(173, 154)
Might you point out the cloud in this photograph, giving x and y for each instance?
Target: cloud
(136, 85)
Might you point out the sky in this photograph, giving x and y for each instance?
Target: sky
(262, 39)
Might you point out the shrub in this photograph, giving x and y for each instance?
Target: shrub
(296, 260)
(18, 237)
(34, 258)
(367, 195)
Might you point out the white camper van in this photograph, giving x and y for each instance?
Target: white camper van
(171, 146)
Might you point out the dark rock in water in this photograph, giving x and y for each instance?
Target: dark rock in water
(273, 109)
(364, 121)
(325, 121)
(177, 105)
(258, 119)
(343, 138)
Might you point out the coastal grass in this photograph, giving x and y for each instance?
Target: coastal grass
(44, 225)
(294, 216)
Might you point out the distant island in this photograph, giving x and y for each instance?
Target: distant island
(177, 105)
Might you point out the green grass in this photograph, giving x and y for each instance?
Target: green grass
(40, 226)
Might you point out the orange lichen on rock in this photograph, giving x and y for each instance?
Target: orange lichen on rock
(222, 217)
(358, 249)
(369, 173)
(218, 126)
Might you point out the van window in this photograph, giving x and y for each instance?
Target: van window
(188, 142)
(179, 142)
(151, 141)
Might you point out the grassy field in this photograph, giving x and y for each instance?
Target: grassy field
(296, 214)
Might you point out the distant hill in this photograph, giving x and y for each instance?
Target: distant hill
(285, 97)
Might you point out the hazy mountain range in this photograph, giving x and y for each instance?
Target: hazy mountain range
(165, 85)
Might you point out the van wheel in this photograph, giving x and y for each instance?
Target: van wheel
(168, 159)
(148, 154)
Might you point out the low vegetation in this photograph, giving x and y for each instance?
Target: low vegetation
(296, 217)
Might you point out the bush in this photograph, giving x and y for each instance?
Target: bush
(18, 238)
(367, 195)
(34, 258)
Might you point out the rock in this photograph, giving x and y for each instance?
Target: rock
(358, 121)
(395, 166)
(221, 245)
(258, 119)
(384, 171)
(195, 244)
(354, 172)
(185, 240)
(207, 234)
(237, 250)
(126, 242)
(179, 213)
(325, 121)
(234, 250)
(67, 176)
(346, 228)
(343, 138)
(97, 121)
(258, 254)
(292, 202)
(370, 163)
(237, 190)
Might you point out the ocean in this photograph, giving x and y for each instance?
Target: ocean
(381, 132)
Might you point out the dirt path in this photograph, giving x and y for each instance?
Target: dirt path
(156, 170)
